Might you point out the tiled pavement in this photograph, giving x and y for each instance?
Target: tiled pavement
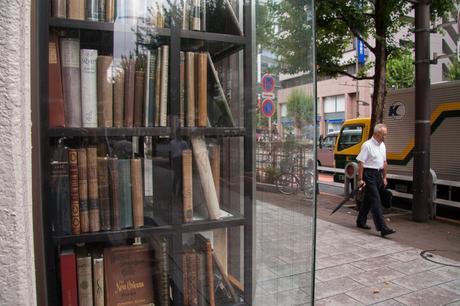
(353, 267)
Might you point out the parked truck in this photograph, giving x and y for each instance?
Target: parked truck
(399, 118)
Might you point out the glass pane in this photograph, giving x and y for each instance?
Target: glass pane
(330, 104)
(340, 103)
(350, 136)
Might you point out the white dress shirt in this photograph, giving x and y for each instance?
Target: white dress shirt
(373, 154)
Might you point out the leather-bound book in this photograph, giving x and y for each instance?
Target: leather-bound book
(162, 271)
(185, 279)
(59, 8)
(104, 91)
(187, 185)
(70, 62)
(83, 190)
(109, 10)
(196, 18)
(201, 281)
(98, 281)
(101, 10)
(149, 115)
(115, 193)
(204, 245)
(139, 98)
(129, 93)
(55, 94)
(124, 175)
(104, 195)
(192, 278)
(118, 97)
(85, 281)
(76, 9)
(88, 60)
(93, 190)
(92, 10)
(74, 195)
(137, 192)
(202, 89)
(190, 88)
(158, 87)
(182, 90)
(68, 272)
(164, 85)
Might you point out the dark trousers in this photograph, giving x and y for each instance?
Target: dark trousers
(372, 200)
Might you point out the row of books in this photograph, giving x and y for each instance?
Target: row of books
(122, 275)
(94, 193)
(150, 12)
(90, 90)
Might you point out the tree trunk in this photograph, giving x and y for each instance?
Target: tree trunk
(378, 97)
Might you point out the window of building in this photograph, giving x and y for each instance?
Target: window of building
(334, 104)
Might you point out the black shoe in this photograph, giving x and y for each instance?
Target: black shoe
(364, 226)
(387, 231)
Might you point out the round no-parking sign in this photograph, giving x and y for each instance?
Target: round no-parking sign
(268, 108)
(268, 83)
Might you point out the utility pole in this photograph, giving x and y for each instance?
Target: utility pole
(422, 191)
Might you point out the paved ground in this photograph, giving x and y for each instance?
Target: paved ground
(353, 267)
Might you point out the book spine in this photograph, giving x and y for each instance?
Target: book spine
(185, 279)
(104, 195)
(164, 85)
(68, 270)
(83, 190)
(93, 196)
(192, 278)
(98, 281)
(104, 91)
(187, 185)
(164, 282)
(196, 20)
(139, 98)
(76, 9)
(201, 279)
(202, 90)
(145, 119)
(203, 15)
(190, 88)
(85, 283)
(70, 60)
(129, 93)
(110, 11)
(115, 193)
(88, 60)
(118, 97)
(137, 192)
(150, 88)
(182, 90)
(74, 195)
(124, 175)
(59, 8)
(210, 273)
(200, 154)
(60, 195)
(158, 86)
(185, 15)
(101, 10)
(55, 93)
(92, 9)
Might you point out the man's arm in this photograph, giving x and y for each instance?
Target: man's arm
(360, 173)
(385, 182)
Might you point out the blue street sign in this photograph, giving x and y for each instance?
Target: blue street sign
(268, 108)
(268, 83)
(360, 51)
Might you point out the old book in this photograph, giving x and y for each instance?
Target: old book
(60, 190)
(202, 292)
(204, 245)
(149, 115)
(190, 88)
(85, 281)
(109, 10)
(70, 60)
(55, 94)
(203, 15)
(200, 154)
(160, 16)
(182, 90)
(101, 10)
(118, 97)
(92, 10)
(162, 271)
(164, 85)
(137, 192)
(104, 194)
(130, 279)
(83, 190)
(129, 92)
(98, 281)
(59, 8)
(76, 9)
(191, 268)
(74, 195)
(187, 185)
(185, 279)
(93, 190)
(124, 175)
(202, 89)
(88, 60)
(115, 193)
(139, 98)
(104, 91)
(186, 11)
(68, 272)
(196, 16)
(158, 86)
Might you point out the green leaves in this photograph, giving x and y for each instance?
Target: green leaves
(401, 70)
(300, 108)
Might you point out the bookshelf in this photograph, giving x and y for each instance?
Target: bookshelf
(163, 214)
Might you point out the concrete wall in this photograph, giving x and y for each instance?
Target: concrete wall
(17, 272)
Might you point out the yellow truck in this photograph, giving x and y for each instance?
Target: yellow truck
(399, 118)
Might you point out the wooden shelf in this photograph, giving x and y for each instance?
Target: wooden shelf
(109, 132)
(214, 131)
(206, 225)
(217, 37)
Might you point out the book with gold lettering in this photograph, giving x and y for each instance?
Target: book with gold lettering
(130, 73)
(164, 85)
(104, 91)
(137, 192)
(83, 190)
(98, 281)
(55, 93)
(187, 185)
(202, 67)
(74, 195)
(130, 279)
(190, 89)
(104, 192)
(76, 9)
(139, 98)
(93, 192)
(85, 280)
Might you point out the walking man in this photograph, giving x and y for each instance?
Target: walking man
(372, 171)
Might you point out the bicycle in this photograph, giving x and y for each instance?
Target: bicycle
(288, 182)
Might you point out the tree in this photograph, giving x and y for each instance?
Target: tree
(401, 70)
(338, 22)
(300, 108)
(453, 72)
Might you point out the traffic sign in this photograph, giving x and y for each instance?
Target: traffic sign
(268, 108)
(268, 83)
(270, 95)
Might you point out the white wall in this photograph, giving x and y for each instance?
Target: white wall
(17, 272)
